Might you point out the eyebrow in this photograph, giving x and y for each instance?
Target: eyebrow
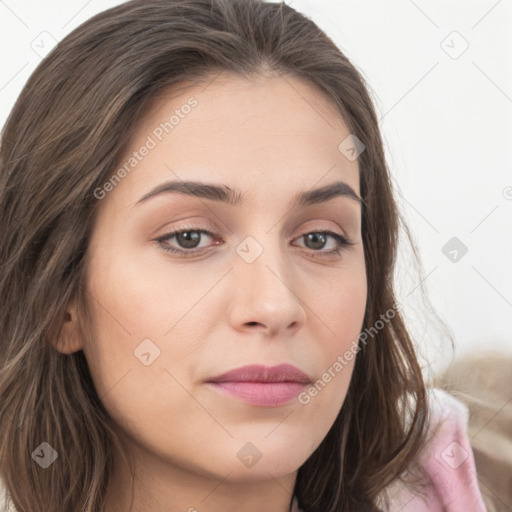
(225, 194)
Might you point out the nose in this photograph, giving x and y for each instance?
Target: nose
(266, 297)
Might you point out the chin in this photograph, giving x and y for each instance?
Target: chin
(261, 459)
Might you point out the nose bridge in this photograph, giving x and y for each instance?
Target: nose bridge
(264, 297)
(263, 276)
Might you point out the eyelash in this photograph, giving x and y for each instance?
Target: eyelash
(343, 242)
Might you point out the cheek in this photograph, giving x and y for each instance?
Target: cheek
(345, 313)
(143, 310)
(340, 310)
(341, 304)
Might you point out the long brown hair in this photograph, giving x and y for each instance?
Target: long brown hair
(63, 140)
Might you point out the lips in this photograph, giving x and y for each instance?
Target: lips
(262, 385)
(260, 373)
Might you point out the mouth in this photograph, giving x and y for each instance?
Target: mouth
(262, 385)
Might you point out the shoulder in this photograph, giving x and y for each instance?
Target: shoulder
(446, 462)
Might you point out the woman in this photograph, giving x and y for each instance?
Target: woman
(199, 239)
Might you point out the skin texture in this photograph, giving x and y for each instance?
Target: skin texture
(269, 137)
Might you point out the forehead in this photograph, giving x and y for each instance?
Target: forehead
(262, 132)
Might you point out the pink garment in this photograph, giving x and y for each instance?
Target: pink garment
(448, 462)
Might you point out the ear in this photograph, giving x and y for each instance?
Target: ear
(67, 337)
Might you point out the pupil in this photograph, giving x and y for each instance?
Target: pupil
(315, 237)
(187, 240)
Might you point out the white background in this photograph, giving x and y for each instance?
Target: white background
(445, 116)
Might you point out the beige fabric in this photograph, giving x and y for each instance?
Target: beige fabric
(484, 383)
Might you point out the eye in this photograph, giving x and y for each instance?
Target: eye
(188, 241)
(316, 240)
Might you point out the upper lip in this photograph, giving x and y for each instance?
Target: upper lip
(261, 373)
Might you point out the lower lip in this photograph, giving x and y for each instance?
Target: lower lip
(264, 394)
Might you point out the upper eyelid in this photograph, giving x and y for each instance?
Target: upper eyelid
(211, 232)
(200, 226)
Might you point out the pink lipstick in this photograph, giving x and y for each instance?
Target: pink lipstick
(264, 386)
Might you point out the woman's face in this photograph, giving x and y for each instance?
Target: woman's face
(256, 291)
